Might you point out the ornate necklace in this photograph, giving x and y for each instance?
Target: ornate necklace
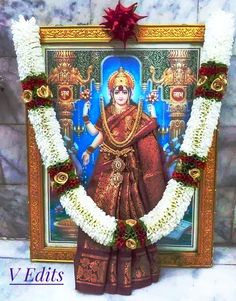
(115, 110)
(120, 144)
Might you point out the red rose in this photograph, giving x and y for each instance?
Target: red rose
(120, 243)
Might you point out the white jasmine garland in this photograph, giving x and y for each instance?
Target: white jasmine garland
(198, 137)
(27, 45)
(209, 128)
(86, 214)
(169, 211)
(200, 127)
(48, 137)
(218, 41)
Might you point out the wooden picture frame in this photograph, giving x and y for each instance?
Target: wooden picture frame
(75, 36)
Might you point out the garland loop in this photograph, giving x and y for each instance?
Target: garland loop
(162, 219)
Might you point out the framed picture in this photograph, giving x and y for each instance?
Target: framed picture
(162, 65)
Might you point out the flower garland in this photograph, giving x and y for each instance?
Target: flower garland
(162, 219)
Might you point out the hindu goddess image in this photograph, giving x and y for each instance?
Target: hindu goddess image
(127, 182)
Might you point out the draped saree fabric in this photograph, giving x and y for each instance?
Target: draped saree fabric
(100, 269)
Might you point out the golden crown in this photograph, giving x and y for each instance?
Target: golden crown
(121, 78)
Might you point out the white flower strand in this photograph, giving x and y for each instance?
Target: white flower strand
(48, 137)
(169, 211)
(200, 127)
(219, 35)
(210, 126)
(88, 216)
(27, 45)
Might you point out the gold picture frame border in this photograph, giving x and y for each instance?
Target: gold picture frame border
(145, 33)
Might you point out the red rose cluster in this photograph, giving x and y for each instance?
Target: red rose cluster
(69, 178)
(66, 167)
(192, 161)
(38, 102)
(212, 68)
(31, 96)
(188, 169)
(126, 232)
(212, 81)
(184, 178)
(70, 184)
(120, 241)
(141, 234)
(30, 83)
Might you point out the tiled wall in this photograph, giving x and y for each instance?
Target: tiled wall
(13, 157)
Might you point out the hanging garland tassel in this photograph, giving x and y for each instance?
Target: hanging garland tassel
(167, 214)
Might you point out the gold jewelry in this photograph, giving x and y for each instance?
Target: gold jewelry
(121, 144)
(116, 179)
(115, 110)
(118, 165)
(116, 152)
(86, 119)
(90, 150)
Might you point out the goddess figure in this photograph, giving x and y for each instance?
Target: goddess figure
(128, 181)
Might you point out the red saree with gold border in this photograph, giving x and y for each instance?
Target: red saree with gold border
(100, 269)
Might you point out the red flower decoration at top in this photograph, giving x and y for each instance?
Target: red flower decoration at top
(121, 21)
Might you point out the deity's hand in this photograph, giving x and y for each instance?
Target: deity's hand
(152, 110)
(85, 158)
(86, 108)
